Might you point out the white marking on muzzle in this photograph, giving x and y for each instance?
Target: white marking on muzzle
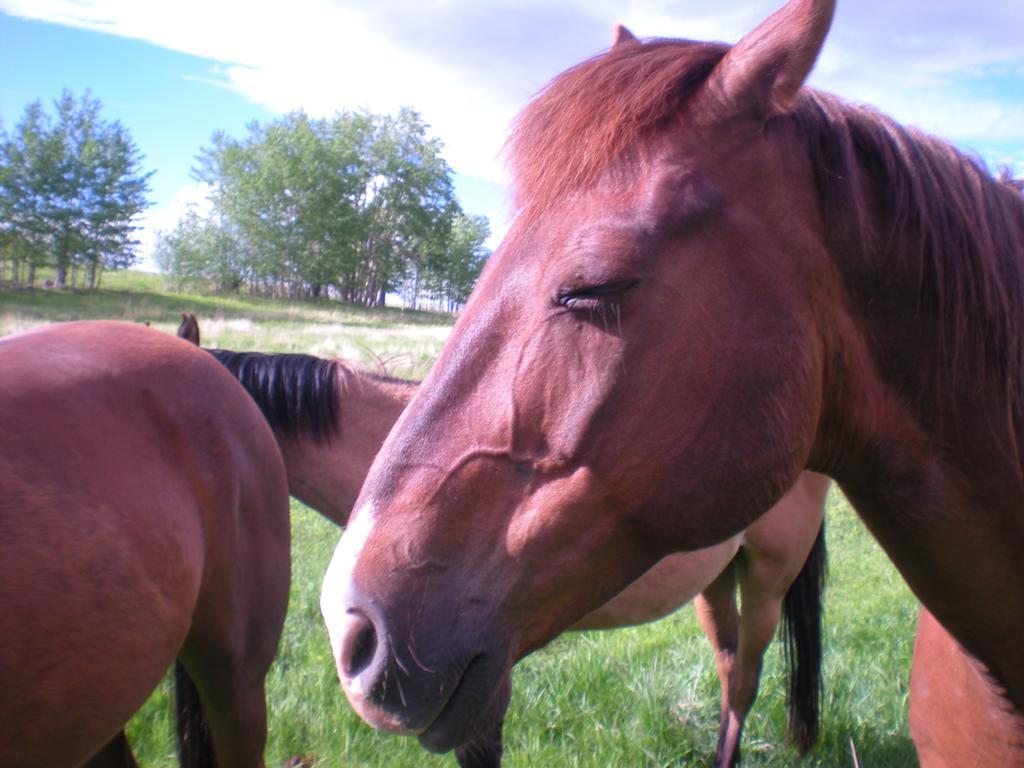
(333, 594)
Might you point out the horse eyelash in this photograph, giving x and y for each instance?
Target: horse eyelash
(598, 298)
(603, 306)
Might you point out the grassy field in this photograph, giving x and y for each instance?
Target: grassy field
(640, 697)
(404, 341)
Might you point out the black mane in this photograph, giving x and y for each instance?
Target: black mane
(298, 394)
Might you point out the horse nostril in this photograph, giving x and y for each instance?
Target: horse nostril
(359, 646)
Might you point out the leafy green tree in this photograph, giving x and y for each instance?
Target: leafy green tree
(452, 272)
(199, 253)
(71, 189)
(291, 191)
(28, 176)
(354, 206)
(410, 204)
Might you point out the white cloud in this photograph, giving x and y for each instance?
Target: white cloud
(371, 74)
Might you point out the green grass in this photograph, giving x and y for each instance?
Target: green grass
(646, 696)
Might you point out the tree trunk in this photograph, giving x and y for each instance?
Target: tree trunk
(62, 261)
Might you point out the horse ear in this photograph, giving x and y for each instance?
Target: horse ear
(622, 36)
(765, 70)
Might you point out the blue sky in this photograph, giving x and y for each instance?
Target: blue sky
(173, 73)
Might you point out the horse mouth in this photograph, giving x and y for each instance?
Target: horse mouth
(458, 718)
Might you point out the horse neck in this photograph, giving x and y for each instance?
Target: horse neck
(922, 420)
(328, 474)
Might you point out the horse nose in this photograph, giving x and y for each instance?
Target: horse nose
(363, 662)
(358, 647)
(361, 653)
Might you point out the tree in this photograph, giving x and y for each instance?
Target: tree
(353, 206)
(71, 189)
(452, 273)
(199, 253)
(290, 191)
(410, 204)
(28, 177)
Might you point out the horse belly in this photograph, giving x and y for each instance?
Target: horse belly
(668, 585)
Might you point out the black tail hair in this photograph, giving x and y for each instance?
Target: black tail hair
(801, 635)
(195, 748)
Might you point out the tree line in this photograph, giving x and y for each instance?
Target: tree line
(351, 207)
(71, 190)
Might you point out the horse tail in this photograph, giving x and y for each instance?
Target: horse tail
(195, 748)
(801, 635)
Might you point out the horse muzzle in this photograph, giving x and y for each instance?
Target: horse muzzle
(434, 685)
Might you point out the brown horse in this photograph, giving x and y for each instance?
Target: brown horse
(330, 421)
(715, 279)
(144, 519)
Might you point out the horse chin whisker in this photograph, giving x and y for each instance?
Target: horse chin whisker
(415, 658)
(401, 693)
(398, 660)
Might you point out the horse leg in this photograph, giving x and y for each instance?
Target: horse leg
(233, 701)
(226, 658)
(239, 615)
(485, 748)
(763, 582)
(117, 754)
(718, 617)
(781, 565)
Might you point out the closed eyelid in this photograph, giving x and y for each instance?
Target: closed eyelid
(593, 296)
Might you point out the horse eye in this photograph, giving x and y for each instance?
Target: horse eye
(593, 296)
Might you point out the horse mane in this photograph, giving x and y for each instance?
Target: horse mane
(932, 210)
(1007, 178)
(920, 213)
(298, 394)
